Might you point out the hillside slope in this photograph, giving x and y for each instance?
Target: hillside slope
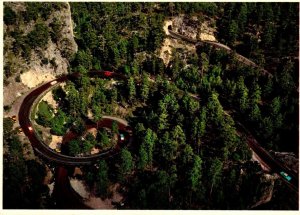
(38, 44)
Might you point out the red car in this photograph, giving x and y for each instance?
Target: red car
(107, 73)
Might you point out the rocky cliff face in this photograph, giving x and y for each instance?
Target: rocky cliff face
(201, 28)
(196, 27)
(42, 64)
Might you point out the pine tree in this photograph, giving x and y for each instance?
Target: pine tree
(215, 173)
(102, 180)
(126, 164)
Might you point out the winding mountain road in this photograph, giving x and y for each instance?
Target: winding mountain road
(275, 165)
(62, 179)
(218, 45)
(40, 147)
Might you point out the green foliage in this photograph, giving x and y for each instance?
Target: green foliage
(15, 176)
(268, 34)
(79, 126)
(255, 114)
(158, 190)
(202, 122)
(145, 87)
(204, 63)
(286, 81)
(143, 157)
(214, 108)
(275, 106)
(126, 164)
(89, 143)
(267, 88)
(256, 94)
(163, 116)
(242, 93)
(56, 26)
(23, 181)
(178, 135)
(168, 147)
(59, 96)
(115, 128)
(131, 89)
(90, 138)
(57, 123)
(44, 114)
(32, 11)
(243, 152)
(215, 173)
(36, 9)
(195, 173)
(10, 16)
(39, 36)
(97, 112)
(267, 127)
(73, 98)
(102, 180)
(232, 31)
(148, 143)
(84, 59)
(74, 147)
(7, 126)
(103, 138)
(184, 148)
(187, 155)
(243, 17)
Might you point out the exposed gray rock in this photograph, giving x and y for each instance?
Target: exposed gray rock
(185, 26)
(202, 28)
(35, 72)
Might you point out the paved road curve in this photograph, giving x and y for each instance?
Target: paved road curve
(274, 164)
(39, 146)
(44, 150)
(218, 45)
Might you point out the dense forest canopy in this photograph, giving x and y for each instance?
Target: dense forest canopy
(187, 155)
(189, 150)
(118, 37)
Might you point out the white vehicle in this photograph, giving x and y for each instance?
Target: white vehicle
(53, 82)
(30, 128)
(122, 137)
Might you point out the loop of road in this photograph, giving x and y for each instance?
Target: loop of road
(64, 193)
(40, 147)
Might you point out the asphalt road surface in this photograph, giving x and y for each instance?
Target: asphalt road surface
(40, 147)
(275, 165)
(62, 180)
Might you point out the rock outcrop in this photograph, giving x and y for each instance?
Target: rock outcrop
(192, 27)
(44, 64)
